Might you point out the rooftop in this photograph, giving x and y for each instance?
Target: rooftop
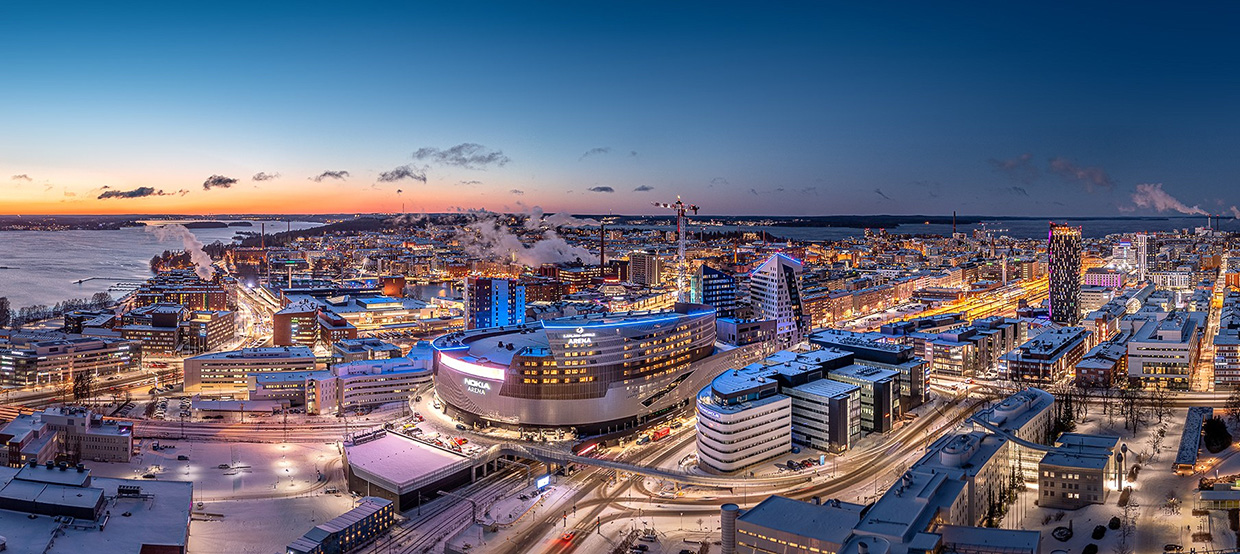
(396, 461)
(831, 521)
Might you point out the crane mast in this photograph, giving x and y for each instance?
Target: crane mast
(682, 267)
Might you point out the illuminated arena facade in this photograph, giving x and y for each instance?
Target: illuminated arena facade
(595, 374)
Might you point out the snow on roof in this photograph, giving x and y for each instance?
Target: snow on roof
(396, 461)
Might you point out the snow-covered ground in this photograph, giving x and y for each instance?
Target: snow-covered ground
(260, 526)
(253, 469)
(1156, 491)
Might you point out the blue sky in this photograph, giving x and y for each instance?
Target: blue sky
(744, 108)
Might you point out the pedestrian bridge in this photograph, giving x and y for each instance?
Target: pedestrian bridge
(564, 456)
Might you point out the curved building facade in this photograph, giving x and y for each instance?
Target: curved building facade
(596, 373)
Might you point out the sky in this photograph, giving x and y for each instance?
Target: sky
(758, 108)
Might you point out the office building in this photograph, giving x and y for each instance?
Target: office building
(826, 414)
(68, 432)
(297, 324)
(775, 293)
(714, 288)
(356, 350)
(880, 393)
(873, 349)
(1164, 348)
(493, 302)
(1049, 358)
(1064, 249)
(742, 420)
(224, 373)
(40, 358)
(1104, 277)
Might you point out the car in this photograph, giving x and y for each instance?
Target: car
(640, 547)
(569, 536)
(461, 427)
(183, 458)
(223, 466)
(332, 490)
(1172, 548)
(149, 476)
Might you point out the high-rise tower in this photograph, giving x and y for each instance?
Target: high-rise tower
(775, 293)
(1064, 248)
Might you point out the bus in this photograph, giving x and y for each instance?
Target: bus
(661, 434)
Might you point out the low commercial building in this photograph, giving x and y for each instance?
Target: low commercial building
(1079, 471)
(63, 509)
(1187, 456)
(224, 373)
(739, 332)
(1104, 364)
(351, 530)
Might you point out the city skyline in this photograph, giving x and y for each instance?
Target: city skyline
(799, 110)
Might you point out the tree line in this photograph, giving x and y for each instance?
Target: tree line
(15, 319)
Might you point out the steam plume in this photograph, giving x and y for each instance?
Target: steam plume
(1153, 196)
(191, 244)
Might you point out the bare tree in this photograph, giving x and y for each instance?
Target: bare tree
(1160, 401)
(1233, 405)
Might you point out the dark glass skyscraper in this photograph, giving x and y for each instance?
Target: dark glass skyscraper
(714, 288)
(1064, 248)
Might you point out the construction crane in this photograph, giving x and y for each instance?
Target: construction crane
(681, 266)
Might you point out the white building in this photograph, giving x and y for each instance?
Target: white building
(225, 373)
(1164, 348)
(742, 420)
(775, 293)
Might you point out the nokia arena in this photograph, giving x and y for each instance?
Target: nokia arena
(593, 374)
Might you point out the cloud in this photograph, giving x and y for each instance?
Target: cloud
(261, 176)
(1018, 191)
(471, 183)
(1020, 168)
(880, 193)
(338, 175)
(718, 181)
(594, 152)
(643, 188)
(1153, 196)
(601, 189)
(809, 190)
(22, 177)
(1235, 212)
(70, 194)
(517, 191)
(632, 153)
(467, 155)
(218, 181)
(404, 172)
(753, 192)
(139, 192)
(1091, 177)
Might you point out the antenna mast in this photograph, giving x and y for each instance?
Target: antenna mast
(681, 266)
